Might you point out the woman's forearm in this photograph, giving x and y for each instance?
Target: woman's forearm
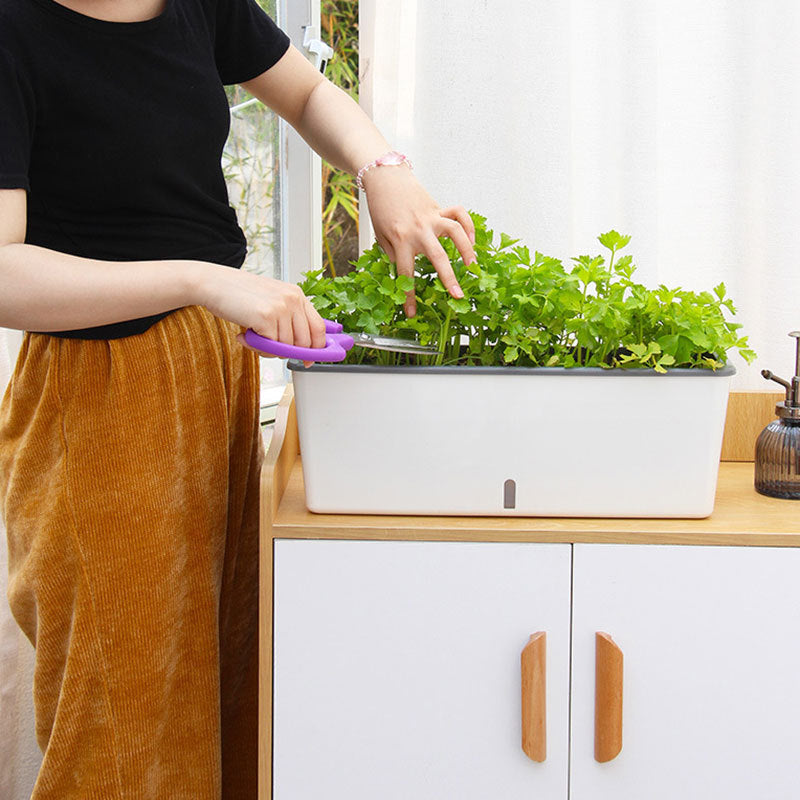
(43, 290)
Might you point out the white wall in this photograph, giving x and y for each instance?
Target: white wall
(674, 121)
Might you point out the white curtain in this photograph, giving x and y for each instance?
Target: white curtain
(676, 122)
(19, 754)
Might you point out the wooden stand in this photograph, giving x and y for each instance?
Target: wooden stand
(741, 517)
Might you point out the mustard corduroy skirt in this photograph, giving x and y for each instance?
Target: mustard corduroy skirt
(128, 483)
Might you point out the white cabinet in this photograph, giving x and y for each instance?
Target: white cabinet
(397, 669)
(711, 698)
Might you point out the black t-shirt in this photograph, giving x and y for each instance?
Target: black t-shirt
(116, 129)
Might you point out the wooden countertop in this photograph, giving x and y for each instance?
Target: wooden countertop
(741, 516)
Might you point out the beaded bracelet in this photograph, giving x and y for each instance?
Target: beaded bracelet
(390, 159)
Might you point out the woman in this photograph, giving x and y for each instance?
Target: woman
(129, 440)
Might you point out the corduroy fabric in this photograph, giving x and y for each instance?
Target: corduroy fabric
(129, 487)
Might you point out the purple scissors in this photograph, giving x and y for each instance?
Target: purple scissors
(337, 344)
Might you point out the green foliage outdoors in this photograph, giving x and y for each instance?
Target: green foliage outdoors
(527, 309)
(251, 159)
(339, 20)
(251, 166)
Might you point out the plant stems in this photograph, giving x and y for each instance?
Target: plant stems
(444, 335)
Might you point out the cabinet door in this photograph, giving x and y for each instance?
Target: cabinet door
(397, 669)
(711, 698)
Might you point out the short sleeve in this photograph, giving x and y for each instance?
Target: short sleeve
(247, 41)
(16, 124)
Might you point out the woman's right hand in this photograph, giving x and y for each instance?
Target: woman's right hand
(274, 309)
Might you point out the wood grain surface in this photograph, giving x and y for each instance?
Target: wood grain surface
(607, 699)
(275, 473)
(748, 414)
(533, 662)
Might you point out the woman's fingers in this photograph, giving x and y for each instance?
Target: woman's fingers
(301, 330)
(285, 331)
(441, 263)
(316, 324)
(460, 215)
(307, 327)
(456, 224)
(296, 321)
(404, 252)
(405, 266)
(387, 248)
(407, 221)
(460, 238)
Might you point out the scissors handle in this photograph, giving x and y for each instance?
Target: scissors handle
(336, 345)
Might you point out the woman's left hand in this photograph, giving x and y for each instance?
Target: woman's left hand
(407, 222)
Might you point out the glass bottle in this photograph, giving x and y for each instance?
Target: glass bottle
(777, 468)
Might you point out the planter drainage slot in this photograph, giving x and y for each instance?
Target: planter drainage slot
(510, 494)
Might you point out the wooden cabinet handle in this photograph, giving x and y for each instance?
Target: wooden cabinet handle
(534, 699)
(607, 698)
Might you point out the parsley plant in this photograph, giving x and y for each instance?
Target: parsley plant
(529, 310)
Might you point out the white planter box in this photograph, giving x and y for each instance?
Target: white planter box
(510, 441)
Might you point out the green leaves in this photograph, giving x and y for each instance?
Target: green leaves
(506, 241)
(613, 240)
(404, 283)
(531, 311)
(462, 306)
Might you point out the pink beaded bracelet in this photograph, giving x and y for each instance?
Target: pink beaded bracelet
(390, 159)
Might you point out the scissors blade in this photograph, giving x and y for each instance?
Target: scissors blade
(393, 344)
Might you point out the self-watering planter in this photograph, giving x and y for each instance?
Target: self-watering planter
(553, 391)
(510, 441)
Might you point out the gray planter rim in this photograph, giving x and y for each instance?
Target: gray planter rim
(639, 372)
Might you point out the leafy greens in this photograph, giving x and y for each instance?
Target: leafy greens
(528, 310)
